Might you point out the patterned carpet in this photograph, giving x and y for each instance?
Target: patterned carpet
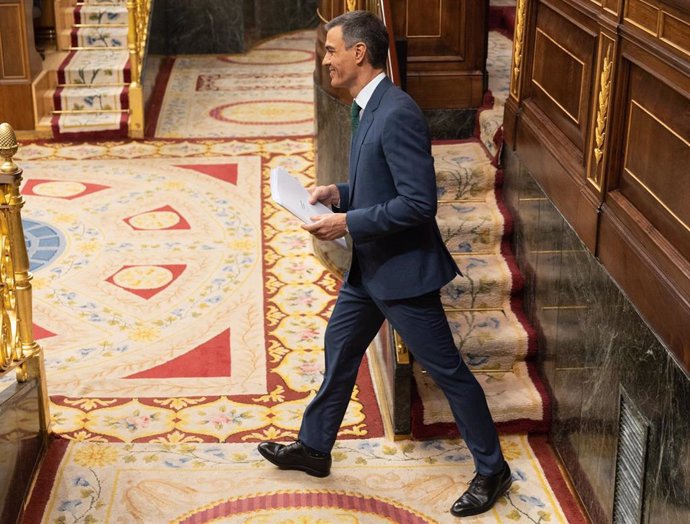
(92, 95)
(268, 91)
(182, 316)
(183, 301)
(484, 305)
(373, 481)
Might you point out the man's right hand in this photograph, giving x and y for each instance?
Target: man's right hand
(327, 195)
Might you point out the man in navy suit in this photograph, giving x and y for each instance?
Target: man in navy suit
(399, 264)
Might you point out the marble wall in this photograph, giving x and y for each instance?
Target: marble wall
(21, 445)
(230, 26)
(594, 345)
(451, 124)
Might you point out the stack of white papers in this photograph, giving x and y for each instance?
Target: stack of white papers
(289, 192)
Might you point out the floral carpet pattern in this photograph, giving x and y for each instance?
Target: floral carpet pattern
(483, 305)
(373, 481)
(194, 304)
(92, 97)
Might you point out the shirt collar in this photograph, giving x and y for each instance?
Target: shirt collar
(364, 95)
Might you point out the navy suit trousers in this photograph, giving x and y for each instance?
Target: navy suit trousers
(422, 323)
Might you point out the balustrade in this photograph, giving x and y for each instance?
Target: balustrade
(18, 349)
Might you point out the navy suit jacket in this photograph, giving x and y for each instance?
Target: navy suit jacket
(391, 201)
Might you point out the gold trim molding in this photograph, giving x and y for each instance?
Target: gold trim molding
(603, 100)
(518, 47)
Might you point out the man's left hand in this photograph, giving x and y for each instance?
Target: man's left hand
(327, 227)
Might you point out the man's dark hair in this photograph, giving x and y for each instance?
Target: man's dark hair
(364, 26)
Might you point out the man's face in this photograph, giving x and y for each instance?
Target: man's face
(341, 62)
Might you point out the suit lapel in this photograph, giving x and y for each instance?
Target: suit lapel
(364, 125)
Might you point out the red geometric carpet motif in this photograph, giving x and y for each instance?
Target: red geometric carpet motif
(210, 359)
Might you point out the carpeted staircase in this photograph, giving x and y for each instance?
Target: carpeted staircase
(90, 100)
(484, 305)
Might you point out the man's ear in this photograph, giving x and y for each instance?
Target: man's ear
(360, 53)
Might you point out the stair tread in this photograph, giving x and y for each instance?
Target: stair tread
(511, 396)
(90, 68)
(81, 90)
(86, 119)
(463, 172)
(487, 281)
(489, 340)
(471, 227)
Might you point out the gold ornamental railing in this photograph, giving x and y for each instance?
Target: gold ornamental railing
(139, 13)
(19, 351)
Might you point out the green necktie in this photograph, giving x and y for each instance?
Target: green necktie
(354, 116)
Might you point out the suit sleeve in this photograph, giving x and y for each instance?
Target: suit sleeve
(407, 150)
(344, 191)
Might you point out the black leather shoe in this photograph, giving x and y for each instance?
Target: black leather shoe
(295, 456)
(482, 493)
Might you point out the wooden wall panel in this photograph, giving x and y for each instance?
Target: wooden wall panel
(427, 26)
(655, 176)
(439, 32)
(675, 32)
(446, 50)
(562, 62)
(563, 89)
(642, 14)
(19, 63)
(13, 65)
(599, 113)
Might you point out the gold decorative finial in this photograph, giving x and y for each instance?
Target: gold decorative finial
(8, 148)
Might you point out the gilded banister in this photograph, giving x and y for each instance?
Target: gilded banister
(18, 349)
(139, 12)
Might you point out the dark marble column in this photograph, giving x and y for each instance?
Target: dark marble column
(451, 124)
(230, 26)
(272, 17)
(198, 27)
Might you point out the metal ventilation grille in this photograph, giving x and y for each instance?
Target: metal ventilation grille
(633, 430)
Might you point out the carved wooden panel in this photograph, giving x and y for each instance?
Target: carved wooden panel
(610, 6)
(611, 80)
(661, 20)
(19, 63)
(439, 32)
(562, 63)
(446, 50)
(602, 103)
(654, 174)
(675, 31)
(12, 63)
(642, 14)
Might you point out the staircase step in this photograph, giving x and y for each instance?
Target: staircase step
(487, 281)
(105, 67)
(90, 125)
(515, 402)
(490, 340)
(462, 171)
(98, 37)
(101, 15)
(472, 227)
(90, 98)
